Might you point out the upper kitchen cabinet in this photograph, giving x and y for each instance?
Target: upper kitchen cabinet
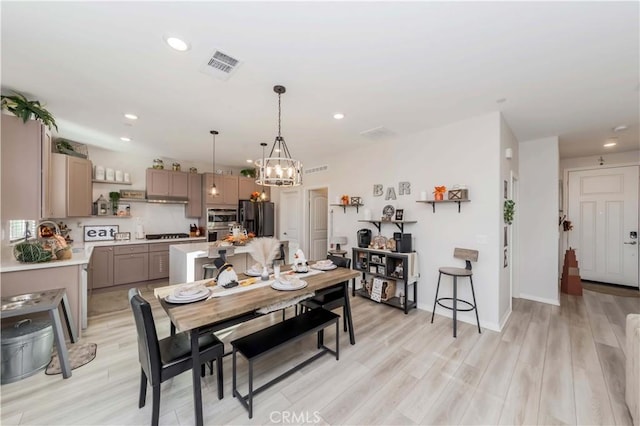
(227, 187)
(167, 183)
(194, 206)
(25, 151)
(246, 186)
(71, 188)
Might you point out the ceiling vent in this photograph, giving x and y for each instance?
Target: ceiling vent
(316, 169)
(220, 65)
(378, 133)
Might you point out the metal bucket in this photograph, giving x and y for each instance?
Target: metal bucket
(26, 349)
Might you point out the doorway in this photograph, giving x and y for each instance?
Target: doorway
(317, 228)
(603, 208)
(290, 220)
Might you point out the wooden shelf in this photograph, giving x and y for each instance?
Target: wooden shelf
(344, 206)
(394, 301)
(111, 182)
(399, 223)
(434, 202)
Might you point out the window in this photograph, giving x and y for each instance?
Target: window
(19, 229)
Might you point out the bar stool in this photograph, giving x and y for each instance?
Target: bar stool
(209, 270)
(468, 256)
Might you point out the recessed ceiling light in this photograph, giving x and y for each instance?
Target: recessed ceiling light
(249, 161)
(125, 139)
(610, 144)
(131, 116)
(177, 44)
(620, 128)
(338, 116)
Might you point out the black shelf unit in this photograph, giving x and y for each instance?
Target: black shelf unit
(434, 202)
(391, 262)
(399, 223)
(344, 206)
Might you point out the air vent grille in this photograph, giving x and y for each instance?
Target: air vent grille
(316, 169)
(220, 65)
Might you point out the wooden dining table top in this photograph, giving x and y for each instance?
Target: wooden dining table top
(194, 315)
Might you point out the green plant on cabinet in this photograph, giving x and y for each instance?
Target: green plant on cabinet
(25, 109)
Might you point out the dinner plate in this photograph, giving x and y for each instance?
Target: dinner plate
(324, 267)
(172, 299)
(189, 292)
(288, 285)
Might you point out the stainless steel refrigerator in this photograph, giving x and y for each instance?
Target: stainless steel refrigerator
(257, 217)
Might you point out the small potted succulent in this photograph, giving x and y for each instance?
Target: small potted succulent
(21, 107)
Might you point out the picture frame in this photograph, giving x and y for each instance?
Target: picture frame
(399, 214)
(133, 194)
(505, 183)
(100, 232)
(506, 236)
(356, 201)
(122, 236)
(506, 257)
(124, 209)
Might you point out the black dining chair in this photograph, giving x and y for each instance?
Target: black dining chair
(334, 297)
(164, 359)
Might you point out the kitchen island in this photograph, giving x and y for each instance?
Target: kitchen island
(186, 260)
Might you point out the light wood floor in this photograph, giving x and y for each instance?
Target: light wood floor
(550, 365)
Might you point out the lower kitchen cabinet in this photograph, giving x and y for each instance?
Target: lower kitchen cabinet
(101, 267)
(159, 261)
(130, 264)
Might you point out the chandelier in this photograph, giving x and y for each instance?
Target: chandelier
(213, 191)
(278, 169)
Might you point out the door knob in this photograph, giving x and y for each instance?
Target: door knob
(633, 243)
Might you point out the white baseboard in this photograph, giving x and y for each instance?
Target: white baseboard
(469, 318)
(540, 299)
(505, 318)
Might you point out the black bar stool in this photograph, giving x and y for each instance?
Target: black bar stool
(468, 256)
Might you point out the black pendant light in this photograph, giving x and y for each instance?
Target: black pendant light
(213, 191)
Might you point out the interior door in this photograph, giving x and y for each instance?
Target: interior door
(603, 207)
(289, 219)
(318, 226)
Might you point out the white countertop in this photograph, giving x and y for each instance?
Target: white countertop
(81, 255)
(202, 249)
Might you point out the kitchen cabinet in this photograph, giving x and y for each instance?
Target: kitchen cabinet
(167, 183)
(130, 264)
(25, 152)
(227, 186)
(247, 185)
(101, 267)
(71, 186)
(194, 206)
(159, 260)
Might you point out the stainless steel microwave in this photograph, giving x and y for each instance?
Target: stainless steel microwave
(221, 218)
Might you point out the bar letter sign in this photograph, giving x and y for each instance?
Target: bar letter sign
(100, 233)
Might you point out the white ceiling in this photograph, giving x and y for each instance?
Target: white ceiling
(569, 69)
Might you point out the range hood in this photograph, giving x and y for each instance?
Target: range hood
(166, 199)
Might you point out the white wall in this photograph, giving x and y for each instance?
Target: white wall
(466, 152)
(507, 167)
(538, 220)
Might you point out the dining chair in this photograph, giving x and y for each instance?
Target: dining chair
(163, 359)
(468, 256)
(334, 297)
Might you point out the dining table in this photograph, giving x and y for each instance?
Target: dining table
(248, 301)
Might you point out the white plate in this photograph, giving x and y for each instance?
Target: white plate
(189, 292)
(172, 299)
(256, 273)
(324, 267)
(288, 285)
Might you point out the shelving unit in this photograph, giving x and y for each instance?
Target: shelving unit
(399, 223)
(111, 182)
(434, 202)
(344, 206)
(388, 265)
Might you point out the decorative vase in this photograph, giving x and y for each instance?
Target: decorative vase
(265, 274)
(438, 196)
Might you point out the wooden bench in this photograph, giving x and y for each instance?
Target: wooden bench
(255, 345)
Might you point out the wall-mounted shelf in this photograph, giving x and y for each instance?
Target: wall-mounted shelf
(344, 206)
(399, 223)
(434, 202)
(112, 182)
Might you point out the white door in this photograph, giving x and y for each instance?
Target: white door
(318, 228)
(289, 222)
(603, 208)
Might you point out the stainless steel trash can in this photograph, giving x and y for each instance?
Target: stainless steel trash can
(26, 349)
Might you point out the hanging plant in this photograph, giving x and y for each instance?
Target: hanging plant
(25, 109)
(509, 210)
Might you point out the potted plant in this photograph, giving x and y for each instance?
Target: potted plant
(114, 196)
(250, 173)
(25, 109)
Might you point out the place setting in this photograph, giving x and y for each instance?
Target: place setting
(188, 294)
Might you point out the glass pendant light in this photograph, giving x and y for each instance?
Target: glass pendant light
(279, 170)
(213, 191)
